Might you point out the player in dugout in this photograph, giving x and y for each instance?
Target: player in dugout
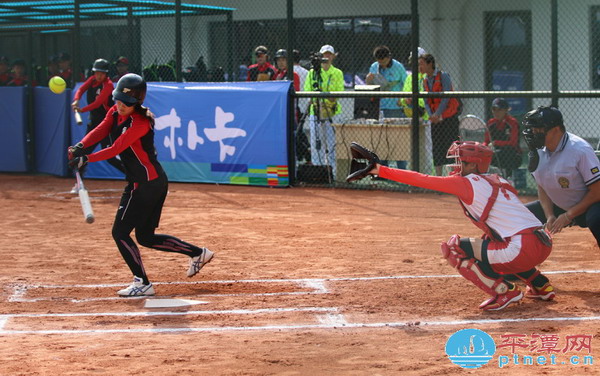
(98, 89)
(132, 127)
(514, 241)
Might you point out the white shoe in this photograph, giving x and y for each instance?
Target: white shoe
(137, 288)
(196, 263)
(74, 189)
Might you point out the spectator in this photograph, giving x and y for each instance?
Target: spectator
(281, 63)
(503, 133)
(52, 68)
(98, 89)
(389, 74)
(443, 112)
(65, 70)
(324, 111)
(4, 71)
(566, 171)
(407, 108)
(122, 65)
(19, 76)
(262, 70)
(299, 69)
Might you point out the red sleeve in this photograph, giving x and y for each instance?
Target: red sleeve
(83, 88)
(100, 99)
(454, 185)
(296, 82)
(101, 131)
(487, 132)
(139, 127)
(514, 131)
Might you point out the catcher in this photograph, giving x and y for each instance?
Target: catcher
(514, 241)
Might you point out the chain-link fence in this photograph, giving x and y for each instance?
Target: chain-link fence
(529, 53)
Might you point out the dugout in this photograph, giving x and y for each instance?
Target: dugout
(161, 37)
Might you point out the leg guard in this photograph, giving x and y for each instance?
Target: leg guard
(470, 269)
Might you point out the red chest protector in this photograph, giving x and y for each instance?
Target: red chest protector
(497, 186)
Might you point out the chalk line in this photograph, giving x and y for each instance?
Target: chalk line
(300, 281)
(171, 313)
(377, 325)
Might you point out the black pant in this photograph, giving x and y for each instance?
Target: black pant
(140, 209)
(589, 219)
(443, 134)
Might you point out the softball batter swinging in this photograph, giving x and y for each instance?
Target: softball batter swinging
(132, 127)
(514, 241)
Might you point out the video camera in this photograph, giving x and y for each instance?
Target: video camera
(316, 59)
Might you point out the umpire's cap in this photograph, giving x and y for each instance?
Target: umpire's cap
(131, 89)
(543, 117)
(101, 65)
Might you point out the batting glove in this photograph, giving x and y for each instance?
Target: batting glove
(78, 162)
(75, 151)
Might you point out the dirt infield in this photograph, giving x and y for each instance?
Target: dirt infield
(305, 281)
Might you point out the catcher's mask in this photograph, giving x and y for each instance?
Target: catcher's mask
(469, 151)
(544, 118)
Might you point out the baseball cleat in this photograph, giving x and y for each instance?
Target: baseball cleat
(543, 293)
(196, 263)
(137, 288)
(502, 301)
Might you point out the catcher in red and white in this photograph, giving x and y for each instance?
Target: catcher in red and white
(514, 241)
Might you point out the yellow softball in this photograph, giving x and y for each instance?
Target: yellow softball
(57, 84)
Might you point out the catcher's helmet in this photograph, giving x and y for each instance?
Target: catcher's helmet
(131, 89)
(541, 117)
(470, 151)
(280, 53)
(101, 65)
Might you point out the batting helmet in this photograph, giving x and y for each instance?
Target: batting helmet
(541, 117)
(101, 65)
(470, 151)
(280, 53)
(131, 89)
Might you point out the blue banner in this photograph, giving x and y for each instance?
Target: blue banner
(232, 133)
(13, 129)
(51, 112)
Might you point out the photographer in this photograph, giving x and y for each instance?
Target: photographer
(323, 76)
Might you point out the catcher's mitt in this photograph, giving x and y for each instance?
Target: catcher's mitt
(359, 170)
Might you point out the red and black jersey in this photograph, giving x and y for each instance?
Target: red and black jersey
(132, 139)
(20, 81)
(4, 79)
(99, 97)
(503, 132)
(266, 70)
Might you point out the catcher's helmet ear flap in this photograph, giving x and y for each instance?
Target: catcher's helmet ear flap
(101, 65)
(131, 89)
(471, 151)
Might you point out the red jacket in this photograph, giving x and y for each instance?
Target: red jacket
(434, 103)
(503, 132)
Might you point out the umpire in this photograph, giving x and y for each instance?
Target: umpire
(566, 170)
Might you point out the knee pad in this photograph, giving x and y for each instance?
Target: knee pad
(452, 252)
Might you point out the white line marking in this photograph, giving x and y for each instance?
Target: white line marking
(18, 292)
(169, 313)
(3, 321)
(298, 327)
(332, 319)
(83, 300)
(317, 285)
(297, 280)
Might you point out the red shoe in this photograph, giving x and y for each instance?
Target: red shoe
(501, 301)
(544, 293)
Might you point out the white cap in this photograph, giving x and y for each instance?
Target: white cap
(420, 51)
(327, 48)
